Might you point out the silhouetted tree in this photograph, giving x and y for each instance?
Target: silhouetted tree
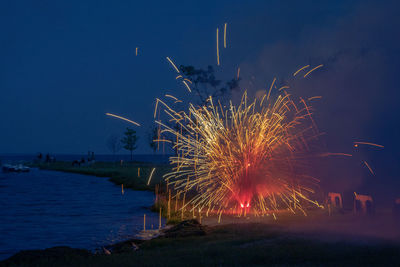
(153, 135)
(205, 84)
(114, 144)
(129, 141)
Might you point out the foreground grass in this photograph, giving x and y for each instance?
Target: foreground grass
(240, 245)
(132, 175)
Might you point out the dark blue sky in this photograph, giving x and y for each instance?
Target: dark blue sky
(64, 64)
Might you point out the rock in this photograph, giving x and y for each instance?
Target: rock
(123, 247)
(106, 251)
(28, 257)
(185, 228)
(134, 246)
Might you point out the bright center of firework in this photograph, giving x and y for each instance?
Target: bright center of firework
(244, 205)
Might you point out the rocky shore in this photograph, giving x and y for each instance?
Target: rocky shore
(63, 253)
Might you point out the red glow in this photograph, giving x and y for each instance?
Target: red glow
(242, 205)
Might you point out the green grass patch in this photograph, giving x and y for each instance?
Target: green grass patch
(134, 175)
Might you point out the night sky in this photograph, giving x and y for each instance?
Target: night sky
(63, 65)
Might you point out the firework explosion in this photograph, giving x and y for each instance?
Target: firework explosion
(251, 156)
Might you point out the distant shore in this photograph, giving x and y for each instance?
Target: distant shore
(133, 175)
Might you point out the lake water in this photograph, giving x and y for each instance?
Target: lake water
(42, 209)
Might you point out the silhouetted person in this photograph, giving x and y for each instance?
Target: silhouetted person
(40, 157)
(47, 157)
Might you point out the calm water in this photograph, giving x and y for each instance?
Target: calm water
(42, 209)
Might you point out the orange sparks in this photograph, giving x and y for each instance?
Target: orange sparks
(369, 168)
(302, 68)
(137, 50)
(122, 118)
(217, 49)
(314, 97)
(162, 140)
(225, 35)
(238, 72)
(272, 84)
(283, 87)
(171, 96)
(335, 154)
(187, 86)
(151, 175)
(317, 67)
(155, 108)
(367, 143)
(173, 65)
(223, 138)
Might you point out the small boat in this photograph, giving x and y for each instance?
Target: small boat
(15, 168)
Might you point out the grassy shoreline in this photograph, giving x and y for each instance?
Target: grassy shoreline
(133, 175)
(244, 244)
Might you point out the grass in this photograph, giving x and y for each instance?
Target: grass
(240, 245)
(174, 216)
(127, 174)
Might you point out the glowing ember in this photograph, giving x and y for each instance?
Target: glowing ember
(122, 118)
(317, 67)
(217, 48)
(356, 144)
(225, 35)
(151, 175)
